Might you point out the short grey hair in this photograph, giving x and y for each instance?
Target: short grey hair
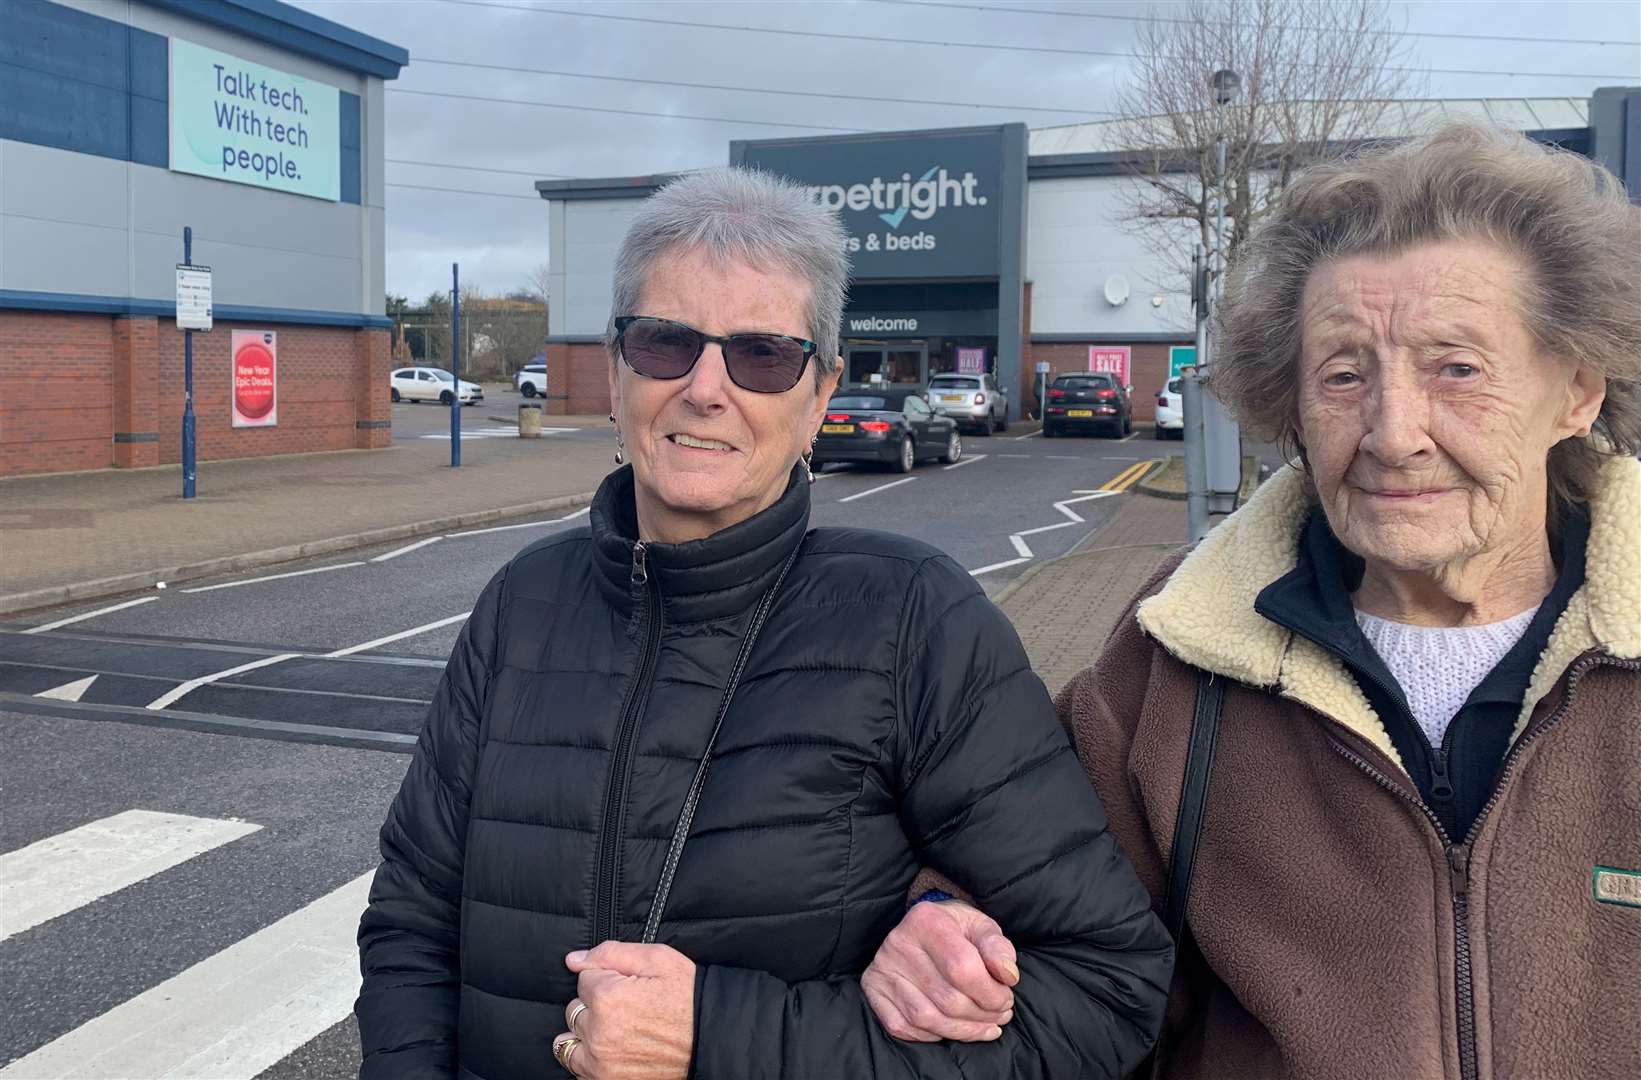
(745, 216)
(1567, 218)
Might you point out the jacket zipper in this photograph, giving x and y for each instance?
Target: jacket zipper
(606, 902)
(1458, 855)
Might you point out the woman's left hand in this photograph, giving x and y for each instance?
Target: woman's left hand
(639, 1020)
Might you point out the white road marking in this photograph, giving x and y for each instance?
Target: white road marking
(965, 461)
(182, 690)
(874, 491)
(495, 433)
(272, 577)
(1019, 539)
(1022, 456)
(1029, 435)
(412, 632)
(230, 1016)
(1130, 437)
(73, 691)
(61, 873)
(1109, 457)
(997, 566)
(523, 525)
(83, 616)
(407, 549)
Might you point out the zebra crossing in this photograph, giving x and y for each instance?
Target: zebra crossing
(494, 433)
(230, 1016)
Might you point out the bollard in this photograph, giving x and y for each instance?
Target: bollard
(529, 420)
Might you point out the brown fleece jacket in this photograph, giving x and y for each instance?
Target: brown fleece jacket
(1330, 929)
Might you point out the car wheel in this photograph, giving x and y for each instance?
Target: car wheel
(1002, 423)
(528, 389)
(954, 449)
(1128, 424)
(446, 397)
(908, 456)
(1049, 432)
(395, 395)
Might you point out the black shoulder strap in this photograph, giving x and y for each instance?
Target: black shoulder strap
(1193, 798)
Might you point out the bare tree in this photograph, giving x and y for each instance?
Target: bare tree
(1313, 75)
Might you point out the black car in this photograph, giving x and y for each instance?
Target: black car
(891, 427)
(1087, 401)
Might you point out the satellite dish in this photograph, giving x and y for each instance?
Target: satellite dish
(1116, 290)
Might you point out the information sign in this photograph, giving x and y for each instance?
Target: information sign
(193, 297)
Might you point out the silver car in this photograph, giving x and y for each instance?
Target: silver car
(974, 401)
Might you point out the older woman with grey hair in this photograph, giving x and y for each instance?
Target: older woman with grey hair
(1419, 848)
(685, 762)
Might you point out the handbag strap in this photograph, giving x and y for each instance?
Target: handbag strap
(686, 816)
(1193, 798)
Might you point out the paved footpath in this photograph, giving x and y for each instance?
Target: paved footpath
(1065, 609)
(117, 530)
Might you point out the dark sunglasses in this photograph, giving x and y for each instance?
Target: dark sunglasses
(663, 349)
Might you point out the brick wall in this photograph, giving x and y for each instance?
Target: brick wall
(578, 380)
(1149, 371)
(90, 391)
(56, 392)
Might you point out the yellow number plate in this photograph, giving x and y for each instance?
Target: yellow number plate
(1080, 412)
(951, 397)
(838, 429)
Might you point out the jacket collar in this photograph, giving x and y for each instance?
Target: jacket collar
(1205, 615)
(699, 580)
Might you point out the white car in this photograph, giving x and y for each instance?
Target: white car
(532, 380)
(433, 384)
(1170, 411)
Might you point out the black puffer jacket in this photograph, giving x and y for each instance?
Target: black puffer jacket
(887, 719)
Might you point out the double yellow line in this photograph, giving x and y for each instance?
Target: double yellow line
(1128, 477)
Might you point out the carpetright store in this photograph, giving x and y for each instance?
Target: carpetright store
(990, 249)
(257, 125)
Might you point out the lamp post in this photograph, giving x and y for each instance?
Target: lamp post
(1207, 283)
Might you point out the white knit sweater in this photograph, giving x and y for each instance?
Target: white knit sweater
(1437, 666)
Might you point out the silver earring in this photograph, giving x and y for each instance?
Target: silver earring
(620, 447)
(806, 458)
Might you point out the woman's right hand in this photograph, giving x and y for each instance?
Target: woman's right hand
(946, 972)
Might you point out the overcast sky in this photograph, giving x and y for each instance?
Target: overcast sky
(500, 240)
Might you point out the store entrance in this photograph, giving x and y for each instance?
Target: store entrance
(903, 362)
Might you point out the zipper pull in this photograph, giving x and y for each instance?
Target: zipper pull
(640, 573)
(1458, 866)
(1441, 786)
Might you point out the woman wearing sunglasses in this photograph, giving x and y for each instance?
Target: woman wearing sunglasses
(685, 763)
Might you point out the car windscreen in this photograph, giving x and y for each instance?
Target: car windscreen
(1173, 386)
(865, 404)
(440, 374)
(1084, 382)
(951, 382)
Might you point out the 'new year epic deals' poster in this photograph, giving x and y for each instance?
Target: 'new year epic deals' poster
(255, 371)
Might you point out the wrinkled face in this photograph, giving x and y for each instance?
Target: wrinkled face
(707, 454)
(1426, 409)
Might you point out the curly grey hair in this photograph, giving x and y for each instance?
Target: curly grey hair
(746, 216)
(1565, 216)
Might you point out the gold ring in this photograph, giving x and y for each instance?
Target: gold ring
(564, 1048)
(575, 1014)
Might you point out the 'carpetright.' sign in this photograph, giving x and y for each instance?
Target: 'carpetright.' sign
(915, 205)
(238, 121)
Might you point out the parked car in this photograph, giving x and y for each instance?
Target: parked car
(531, 380)
(1083, 401)
(1170, 411)
(433, 384)
(891, 427)
(975, 401)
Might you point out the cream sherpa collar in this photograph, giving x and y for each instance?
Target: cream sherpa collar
(1205, 614)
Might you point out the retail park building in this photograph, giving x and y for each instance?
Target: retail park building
(988, 248)
(259, 126)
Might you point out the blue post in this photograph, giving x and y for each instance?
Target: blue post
(187, 383)
(455, 366)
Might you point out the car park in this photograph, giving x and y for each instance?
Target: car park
(433, 384)
(1170, 420)
(883, 426)
(1084, 401)
(974, 401)
(531, 380)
